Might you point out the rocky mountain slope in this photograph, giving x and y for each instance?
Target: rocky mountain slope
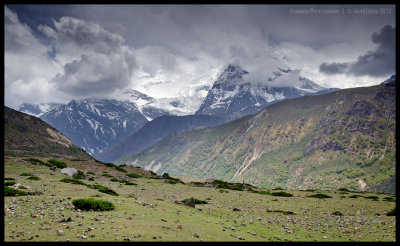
(235, 94)
(154, 131)
(28, 135)
(95, 124)
(344, 138)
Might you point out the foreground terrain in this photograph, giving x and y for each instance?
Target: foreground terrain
(150, 210)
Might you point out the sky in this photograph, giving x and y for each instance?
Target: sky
(56, 53)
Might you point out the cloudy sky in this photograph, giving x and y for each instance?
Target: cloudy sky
(55, 53)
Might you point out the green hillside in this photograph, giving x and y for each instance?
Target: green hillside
(342, 139)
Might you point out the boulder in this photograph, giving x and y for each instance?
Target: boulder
(69, 171)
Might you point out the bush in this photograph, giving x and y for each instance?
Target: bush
(79, 175)
(337, 213)
(95, 204)
(106, 175)
(196, 201)
(90, 172)
(105, 190)
(72, 181)
(374, 198)
(391, 212)
(319, 195)
(57, 163)
(389, 199)
(281, 193)
(8, 191)
(9, 178)
(36, 161)
(34, 178)
(134, 175)
(355, 196)
(91, 179)
(10, 183)
(26, 174)
(120, 169)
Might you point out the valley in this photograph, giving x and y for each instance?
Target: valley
(148, 210)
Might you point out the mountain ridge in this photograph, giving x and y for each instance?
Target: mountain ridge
(346, 136)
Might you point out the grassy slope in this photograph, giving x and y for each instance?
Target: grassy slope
(155, 216)
(273, 143)
(27, 135)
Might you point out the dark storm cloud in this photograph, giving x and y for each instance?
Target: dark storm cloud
(97, 62)
(333, 68)
(378, 62)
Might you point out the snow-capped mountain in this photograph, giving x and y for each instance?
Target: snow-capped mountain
(186, 103)
(94, 124)
(37, 109)
(235, 93)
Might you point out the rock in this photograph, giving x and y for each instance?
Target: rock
(235, 209)
(60, 232)
(90, 228)
(240, 237)
(190, 202)
(53, 168)
(196, 234)
(179, 227)
(69, 171)
(127, 239)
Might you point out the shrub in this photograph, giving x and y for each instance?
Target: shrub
(374, 198)
(389, 199)
(36, 161)
(355, 196)
(391, 212)
(8, 191)
(120, 169)
(282, 193)
(126, 182)
(337, 213)
(91, 179)
(105, 190)
(319, 195)
(72, 181)
(134, 175)
(9, 178)
(106, 175)
(57, 163)
(90, 172)
(196, 201)
(10, 183)
(95, 204)
(26, 174)
(79, 175)
(114, 180)
(34, 178)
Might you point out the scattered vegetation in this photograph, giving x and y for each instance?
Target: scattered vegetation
(105, 189)
(8, 191)
(26, 174)
(320, 196)
(373, 198)
(196, 201)
(34, 178)
(36, 161)
(337, 213)
(281, 193)
(57, 163)
(72, 181)
(10, 183)
(120, 169)
(134, 175)
(170, 179)
(95, 204)
(391, 212)
(79, 175)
